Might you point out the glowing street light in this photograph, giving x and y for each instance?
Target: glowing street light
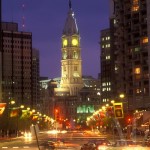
(33, 110)
(112, 101)
(107, 105)
(121, 95)
(28, 108)
(22, 106)
(12, 102)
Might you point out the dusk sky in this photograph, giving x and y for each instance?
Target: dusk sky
(46, 19)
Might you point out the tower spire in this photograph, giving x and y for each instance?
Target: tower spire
(70, 4)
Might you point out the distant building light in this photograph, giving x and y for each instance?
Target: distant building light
(137, 70)
(145, 40)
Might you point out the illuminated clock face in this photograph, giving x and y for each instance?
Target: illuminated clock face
(65, 42)
(74, 42)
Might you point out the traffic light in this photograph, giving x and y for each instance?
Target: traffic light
(56, 114)
(129, 120)
(56, 111)
(118, 110)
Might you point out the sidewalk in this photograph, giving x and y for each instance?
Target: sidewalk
(8, 138)
(5, 138)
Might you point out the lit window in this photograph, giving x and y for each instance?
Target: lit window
(138, 91)
(137, 71)
(104, 89)
(108, 45)
(145, 40)
(104, 84)
(104, 100)
(135, 8)
(103, 46)
(137, 49)
(107, 57)
(102, 39)
(116, 68)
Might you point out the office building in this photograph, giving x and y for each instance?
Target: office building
(19, 66)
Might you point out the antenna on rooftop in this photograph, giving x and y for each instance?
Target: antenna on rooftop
(23, 17)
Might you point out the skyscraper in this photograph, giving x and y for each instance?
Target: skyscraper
(130, 33)
(18, 66)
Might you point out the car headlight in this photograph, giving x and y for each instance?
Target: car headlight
(27, 135)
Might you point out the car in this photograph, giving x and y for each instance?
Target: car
(99, 144)
(88, 146)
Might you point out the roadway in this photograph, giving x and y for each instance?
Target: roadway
(72, 140)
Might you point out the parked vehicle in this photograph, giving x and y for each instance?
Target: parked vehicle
(99, 144)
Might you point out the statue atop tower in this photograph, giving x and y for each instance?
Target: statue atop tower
(70, 4)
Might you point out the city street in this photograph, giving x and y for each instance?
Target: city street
(70, 140)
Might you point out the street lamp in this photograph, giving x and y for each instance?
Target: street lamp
(121, 95)
(12, 102)
(107, 105)
(33, 110)
(22, 106)
(28, 108)
(112, 101)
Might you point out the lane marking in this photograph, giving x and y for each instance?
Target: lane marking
(26, 147)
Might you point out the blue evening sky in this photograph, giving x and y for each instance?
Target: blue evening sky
(46, 19)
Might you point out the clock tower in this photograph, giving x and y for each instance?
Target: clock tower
(71, 62)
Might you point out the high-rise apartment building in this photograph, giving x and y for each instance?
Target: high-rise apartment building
(106, 67)
(19, 66)
(129, 38)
